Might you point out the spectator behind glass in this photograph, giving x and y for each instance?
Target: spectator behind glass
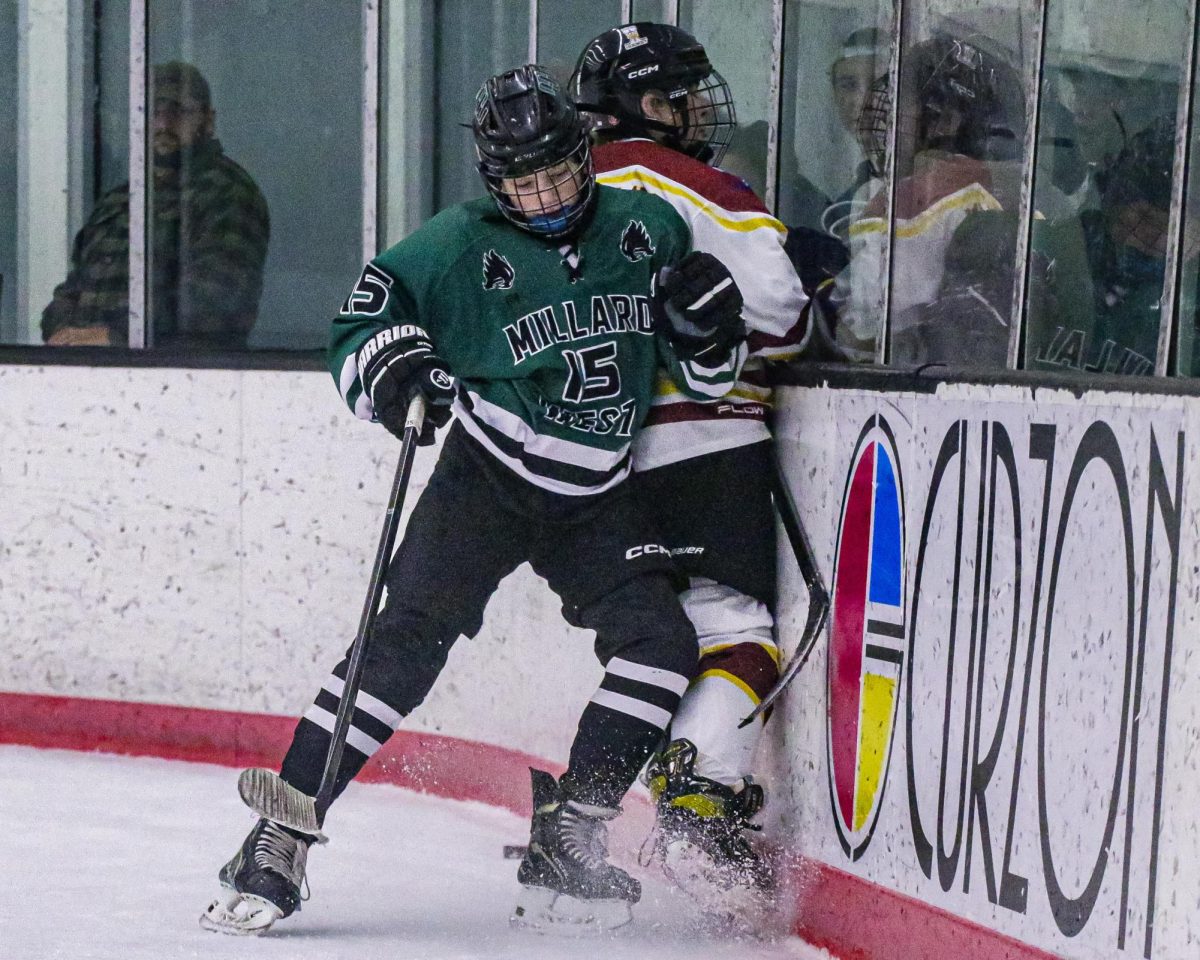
(862, 61)
(819, 253)
(1127, 251)
(208, 238)
(961, 126)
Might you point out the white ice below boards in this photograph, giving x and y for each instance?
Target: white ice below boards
(111, 858)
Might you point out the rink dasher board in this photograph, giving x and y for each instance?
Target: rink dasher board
(1000, 718)
(203, 538)
(171, 531)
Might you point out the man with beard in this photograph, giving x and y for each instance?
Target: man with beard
(206, 247)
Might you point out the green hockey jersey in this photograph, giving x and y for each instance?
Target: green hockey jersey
(553, 348)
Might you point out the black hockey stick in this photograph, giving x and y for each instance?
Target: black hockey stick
(818, 596)
(263, 790)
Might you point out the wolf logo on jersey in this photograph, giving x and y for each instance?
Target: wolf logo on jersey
(498, 273)
(635, 242)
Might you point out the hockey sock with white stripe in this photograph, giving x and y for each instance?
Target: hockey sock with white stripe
(620, 728)
(371, 725)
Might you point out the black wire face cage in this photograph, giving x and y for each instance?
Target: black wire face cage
(704, 118)
(874, 124)
(549, 201)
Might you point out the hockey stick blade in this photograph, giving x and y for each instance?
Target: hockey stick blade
(818, 596)
(818, 611)
(271, 797)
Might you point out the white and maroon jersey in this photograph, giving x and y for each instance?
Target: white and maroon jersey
(729, 221)
(930, 205)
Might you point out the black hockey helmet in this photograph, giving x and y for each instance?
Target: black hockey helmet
(955, 95)
(963, 97)
(533, 152)
(620, 66)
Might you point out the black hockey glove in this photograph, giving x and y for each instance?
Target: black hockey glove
(698, 307)
(396, 364)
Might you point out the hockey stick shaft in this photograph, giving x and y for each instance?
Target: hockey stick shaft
(818, 596)
(358, 649)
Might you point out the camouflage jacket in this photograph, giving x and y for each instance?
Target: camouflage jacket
(208, 241)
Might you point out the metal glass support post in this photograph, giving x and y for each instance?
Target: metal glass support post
(889, 175)
(140, 334)
(775, 104)
(1169, 304)
(534, 10)
(1033, 110)
(370, 129)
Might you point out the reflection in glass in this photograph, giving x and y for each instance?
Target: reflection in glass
(474, 41)
(961, 129)
(737, 36)
(562, 24)
(1106, 145)
(274, 132)
(831, 165)
(961, 126)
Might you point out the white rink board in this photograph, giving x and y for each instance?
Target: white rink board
(204, 538)
(1040, 788)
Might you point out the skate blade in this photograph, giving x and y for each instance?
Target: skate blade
(546, 911)
(732, 904)
(239, 914)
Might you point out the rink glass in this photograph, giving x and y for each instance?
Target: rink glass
(1186, 353)
(1103, 278)
(297, 131)
(1106, 144)
(737, 37)
(961, 153)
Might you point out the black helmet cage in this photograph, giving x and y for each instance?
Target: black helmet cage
(533, 152)
(621, 65)
(874, 122)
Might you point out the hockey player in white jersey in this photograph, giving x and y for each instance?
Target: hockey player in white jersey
(663, 120)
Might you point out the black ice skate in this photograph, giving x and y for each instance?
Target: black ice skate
(261, 884)
(701, 837)
(567, 885)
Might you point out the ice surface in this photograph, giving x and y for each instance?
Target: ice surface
(113, 858)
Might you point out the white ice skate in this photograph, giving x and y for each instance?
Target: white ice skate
(543, 910)
(239, 914)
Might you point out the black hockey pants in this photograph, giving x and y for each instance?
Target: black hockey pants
(472, 527)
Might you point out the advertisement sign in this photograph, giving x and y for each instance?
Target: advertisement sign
(1003, 634)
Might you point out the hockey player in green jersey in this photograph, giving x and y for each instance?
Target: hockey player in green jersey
(536, 318)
